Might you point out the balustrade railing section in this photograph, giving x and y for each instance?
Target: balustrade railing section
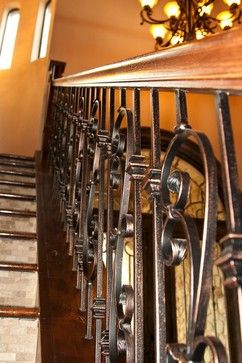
(102, 178)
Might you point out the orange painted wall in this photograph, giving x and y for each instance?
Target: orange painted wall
(89, 34)
(23, 87)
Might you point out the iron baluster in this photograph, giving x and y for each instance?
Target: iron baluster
(231, 244)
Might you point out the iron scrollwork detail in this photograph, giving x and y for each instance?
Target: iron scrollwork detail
(175, 250)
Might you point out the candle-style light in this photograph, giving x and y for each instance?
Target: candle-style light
(187, 20)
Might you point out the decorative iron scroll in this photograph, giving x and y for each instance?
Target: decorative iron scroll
(94, 162)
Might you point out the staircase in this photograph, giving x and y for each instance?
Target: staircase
(19, 301)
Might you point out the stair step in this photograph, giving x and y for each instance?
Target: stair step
(22, 267)
(8, 203)
(19, 312)
(12, 189)
(19, 340)
(16, 184)
(11, 222)
(17, 157)
(18, 250)
(17, 213)
(16, 164)
(9, 171)
(17, 178)
(19, 287)
(18, 235)
(18, 196)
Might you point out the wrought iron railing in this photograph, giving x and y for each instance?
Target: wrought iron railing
(119, 190)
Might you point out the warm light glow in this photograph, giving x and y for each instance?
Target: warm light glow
(9, 38)
(150, 3)
(45, 32)
(231, 2)
(205, 9)
(158, 31)
(172, 9)
(226, 19)
(176, 39)
(200, 34)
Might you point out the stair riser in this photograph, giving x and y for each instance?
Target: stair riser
(21, 251)
(19, 340)
(14, 223)
(17, 204)
(18, 178)
(17, 190)
(19, 288)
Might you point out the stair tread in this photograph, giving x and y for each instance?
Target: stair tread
(17, 183)
(18, 196)
(15, 266)
(17, 234)
(17, 212)
(19, 312)
(17, 172)
(16, 164)
(18, 157)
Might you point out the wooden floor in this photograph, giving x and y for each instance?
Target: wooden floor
(62, 325)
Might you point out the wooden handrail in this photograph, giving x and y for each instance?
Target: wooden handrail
(209, 64)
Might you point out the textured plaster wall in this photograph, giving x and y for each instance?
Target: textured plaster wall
(23, 87)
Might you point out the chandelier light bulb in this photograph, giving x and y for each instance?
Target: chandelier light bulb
(185, 20)
(232, 2)
(205, 9)
(150, 3)
(158, 31)
(225, 19)
(200, 34)
(176, 39)
(172, 9)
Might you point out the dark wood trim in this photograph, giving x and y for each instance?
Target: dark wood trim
(13, 266)
(19, 312)
(18, 235)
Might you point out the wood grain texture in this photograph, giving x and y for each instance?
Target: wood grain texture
(214, 63)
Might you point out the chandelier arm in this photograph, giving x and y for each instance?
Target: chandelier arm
(146, 17)
(192, 18)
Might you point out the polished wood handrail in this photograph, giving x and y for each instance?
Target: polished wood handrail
(209, 64)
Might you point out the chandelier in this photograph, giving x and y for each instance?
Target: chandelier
(187, 20)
